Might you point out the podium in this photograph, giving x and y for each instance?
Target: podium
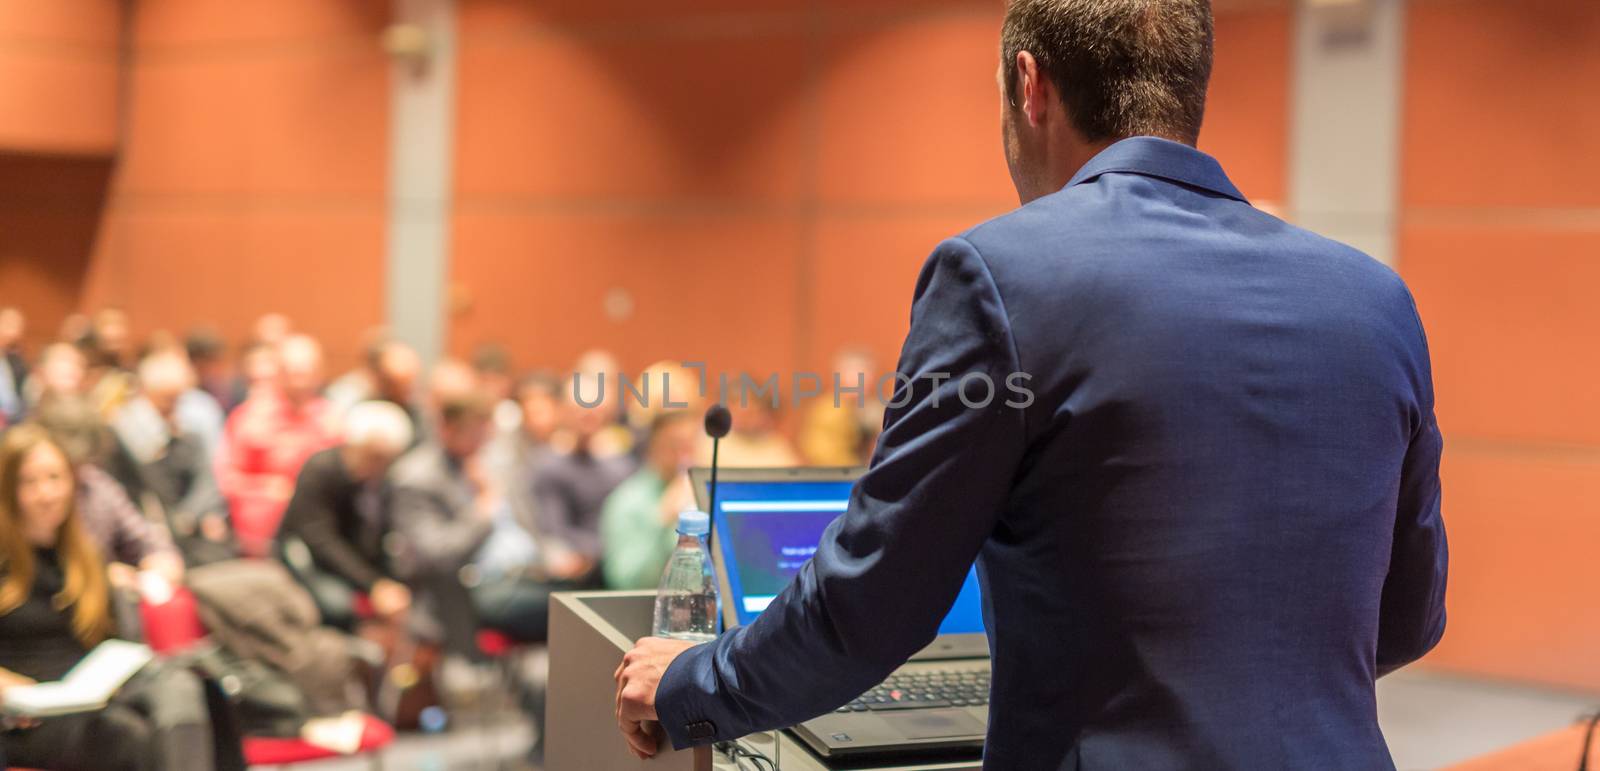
(589, 633)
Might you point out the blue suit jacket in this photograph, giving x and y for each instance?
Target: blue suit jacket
(1214, 527)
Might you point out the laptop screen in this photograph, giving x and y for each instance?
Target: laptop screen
(767, 529)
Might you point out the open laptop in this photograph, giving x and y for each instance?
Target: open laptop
(768, 523)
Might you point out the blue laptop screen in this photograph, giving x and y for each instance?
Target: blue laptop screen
(767, 530)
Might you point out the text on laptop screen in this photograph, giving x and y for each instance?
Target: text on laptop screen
(767, 530)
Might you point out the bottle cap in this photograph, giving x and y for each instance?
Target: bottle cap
(692, 522)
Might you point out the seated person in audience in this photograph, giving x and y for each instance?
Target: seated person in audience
(638, 522)
(258, 373)
(388, 372)
(175, 461)
(572, 487)
(62, 371)
(443, 509)
(509, 585)
(108, 348)
(144, 428)
(13, 368)
(129, 540)
(451, 380)
(492, 364)
(844, 434)
(755, 441)
(268, 439)
(207, 354)
(513, 460)
(470, 563)
(113, 344)
(338, 515)
(55, 606)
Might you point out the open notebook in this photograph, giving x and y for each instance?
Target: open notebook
(87, 687)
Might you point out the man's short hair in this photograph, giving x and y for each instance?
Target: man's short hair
(378, 423)
(460, 408)
(203, 344)
(492, 358)
(540, 382)
(1123, 67)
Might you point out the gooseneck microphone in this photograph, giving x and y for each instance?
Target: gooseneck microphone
(719, 421)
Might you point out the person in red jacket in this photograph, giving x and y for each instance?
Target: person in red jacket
(268, 438)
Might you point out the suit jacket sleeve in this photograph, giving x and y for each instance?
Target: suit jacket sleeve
(887, 571)
(1412, 615)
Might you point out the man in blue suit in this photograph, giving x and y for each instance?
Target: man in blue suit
(1215, 524)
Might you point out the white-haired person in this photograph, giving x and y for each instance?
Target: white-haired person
(335, 525)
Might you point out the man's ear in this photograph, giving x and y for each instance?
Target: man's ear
(1031, 88)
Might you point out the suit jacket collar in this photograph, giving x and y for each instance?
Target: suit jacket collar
(1163, 158)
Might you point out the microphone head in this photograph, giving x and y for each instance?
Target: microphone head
(719, 421)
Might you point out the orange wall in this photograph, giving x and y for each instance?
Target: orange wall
(58, 76)
(763, 181)
(1500, 241)
(58, 132)
(253, 176)
(50, 209)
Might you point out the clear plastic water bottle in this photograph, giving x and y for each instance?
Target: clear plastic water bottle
(686, 602)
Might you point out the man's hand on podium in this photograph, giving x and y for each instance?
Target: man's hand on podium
(637, 678)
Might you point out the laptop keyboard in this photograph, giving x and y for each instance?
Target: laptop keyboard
(925, 690)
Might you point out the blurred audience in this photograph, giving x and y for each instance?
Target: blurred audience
(213, 375)
(107, 348)
(514, 459)
(271, 329)
(55, 606)
(572, 487)
(755, 441)
(130, 541)
(269, 437)
(62, 371)
(389, 371)
(444, 509)
(334, 528)
(492, 363)
(415, 517)
(844, 434)
(13, 367)
(259, 366)
(638, 519)
(174, 447)
(168, 400)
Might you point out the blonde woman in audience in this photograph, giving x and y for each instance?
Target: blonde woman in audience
(56, 606)
(126, 538)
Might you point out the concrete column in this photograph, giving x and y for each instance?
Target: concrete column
(1344, 142)
(421, 138)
